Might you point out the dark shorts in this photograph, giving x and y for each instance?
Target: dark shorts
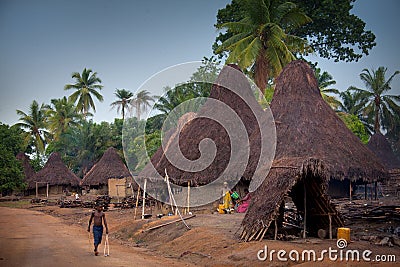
(97, 234)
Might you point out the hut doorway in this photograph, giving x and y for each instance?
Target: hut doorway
(314, 206)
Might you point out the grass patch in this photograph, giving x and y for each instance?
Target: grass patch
(21, 204)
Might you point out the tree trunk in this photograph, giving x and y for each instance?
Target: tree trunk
(261, 72)
(377, 126)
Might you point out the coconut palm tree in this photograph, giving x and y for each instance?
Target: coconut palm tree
(34, 123)
(262, 39)
(124, 100)
(141, 102)
(62, 115)
(379, 105)
(325, 80)
(86, 86)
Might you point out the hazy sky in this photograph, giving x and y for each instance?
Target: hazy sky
(44, 41)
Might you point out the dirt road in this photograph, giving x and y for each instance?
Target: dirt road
(30, 238)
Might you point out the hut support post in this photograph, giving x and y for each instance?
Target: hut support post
(47, 190)
(305, 210)
(350, 195)
(330, 226)
(144, 197)
(276, 230)
(137, 201)
(37, 193)
(365, 191)
(376, 190)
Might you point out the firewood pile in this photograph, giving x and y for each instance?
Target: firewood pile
(100, 200)
(373, 211)
(126, 203)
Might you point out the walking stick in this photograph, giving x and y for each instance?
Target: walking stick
(106, 247)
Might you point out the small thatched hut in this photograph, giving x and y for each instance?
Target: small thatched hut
(56, 175)
(382, 149)
(29, 172)
(313, 147)
(110, 166)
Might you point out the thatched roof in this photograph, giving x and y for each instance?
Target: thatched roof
(382, 149)
(313, 146)
(239, 98)
(54, 172)
(27, 167)
(109, 166)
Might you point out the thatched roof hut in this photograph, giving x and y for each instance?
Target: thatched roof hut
(382, 149)
(109, 166)
(29, 172)
(55, 173)
(213, 122)
(313, 146)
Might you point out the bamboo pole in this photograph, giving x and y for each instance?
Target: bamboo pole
(188, 198)
(137, 201)
(144, 197)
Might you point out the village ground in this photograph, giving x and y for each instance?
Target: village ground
(53, 236)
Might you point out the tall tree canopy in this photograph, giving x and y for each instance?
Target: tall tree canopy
(124, 101)
(141, 102)
(62, 114)
(333, 33)
(34, 123)
(86, 86)
(262, 39)
(11, 174)
(379, 104)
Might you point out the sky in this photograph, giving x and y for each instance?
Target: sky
(126, 42)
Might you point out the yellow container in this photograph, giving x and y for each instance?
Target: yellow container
(343, 233)
(221, 209)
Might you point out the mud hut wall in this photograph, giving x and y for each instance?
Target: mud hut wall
(117, 187)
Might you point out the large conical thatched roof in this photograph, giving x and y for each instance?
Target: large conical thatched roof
(27, 168)
(382, 149)
(239, 98)
(55, 172)
(109, 166)
(313, 146)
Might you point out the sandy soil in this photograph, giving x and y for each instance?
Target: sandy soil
(60, 239)
(32, 238)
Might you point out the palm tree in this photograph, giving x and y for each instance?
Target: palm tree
(141, 102)
(379, 105)
(86, 86)
(34, 123)
(123, 102)
(62, 115)
(262, 39)
(325, 80)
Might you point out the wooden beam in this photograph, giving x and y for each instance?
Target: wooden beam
(305, 210)
(144, 197)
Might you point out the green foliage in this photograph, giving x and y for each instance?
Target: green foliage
(11, 173)
(124, 101)
(34, 123)
(86, 86)
(379, 106)
(325, 81)
(263, 38)
(355, 125)
(333, 33)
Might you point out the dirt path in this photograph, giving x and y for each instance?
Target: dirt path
(30, 238)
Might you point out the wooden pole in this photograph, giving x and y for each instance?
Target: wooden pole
(188, 198)
(47, 190)
(276, 230)
(305, 210)
(137, 202)
(37, 193)
(376, 190)
(330, 226)
(365, 191)
(116, 186)
(350, 195)
(144, 197)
